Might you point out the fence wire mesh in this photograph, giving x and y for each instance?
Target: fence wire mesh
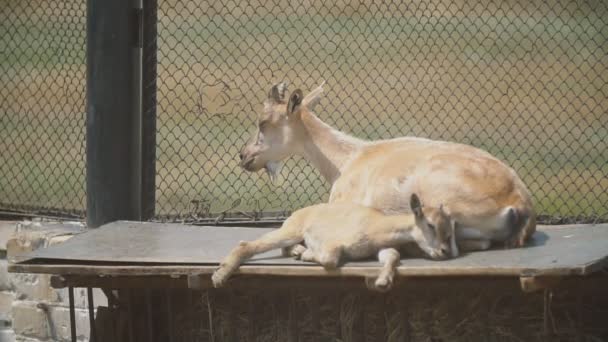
(525, 80)
(42, 106)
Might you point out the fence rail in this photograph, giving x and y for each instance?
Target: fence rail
(525, 80)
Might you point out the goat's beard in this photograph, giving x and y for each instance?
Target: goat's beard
(272, 169)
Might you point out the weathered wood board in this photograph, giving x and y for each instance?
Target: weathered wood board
(153, 248)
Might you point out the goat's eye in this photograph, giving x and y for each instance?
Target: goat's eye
(260, 138)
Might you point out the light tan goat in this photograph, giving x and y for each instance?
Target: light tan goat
(338, 232)
(485, 196)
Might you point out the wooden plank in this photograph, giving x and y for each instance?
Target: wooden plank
(280, 270)
(598, 281)
(122, 282)
(132, 248)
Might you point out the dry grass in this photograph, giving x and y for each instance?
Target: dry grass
(509, 83)
(511, 78)
(488, 309)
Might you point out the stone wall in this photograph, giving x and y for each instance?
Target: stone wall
(30, 309)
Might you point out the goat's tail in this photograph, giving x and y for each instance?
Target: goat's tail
(523, 226)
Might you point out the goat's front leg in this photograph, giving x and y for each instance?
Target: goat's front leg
(286, 236)
(470, 240)
(294, 251)
(328, 257)
(389, 257)
(309, 255)
(474, 245)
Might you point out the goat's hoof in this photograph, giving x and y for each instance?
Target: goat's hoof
(329, 265)
(297, 251)
(383, 284)
(307, 255)
(514, 242)
(379, 284)
(219, 277)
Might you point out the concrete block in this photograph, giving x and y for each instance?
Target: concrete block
(24, 242)
(54, 227)
(5, 281)
(7, 229)
(61, 323)
(20, 338)
(55, 240)
(81, 299)
(6, 303)
(31, 321)
(31, 235)
(36, 287)
(7, 335)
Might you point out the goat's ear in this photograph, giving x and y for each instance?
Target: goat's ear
(416, 206)
(276, 94)
(294, 101)
(314, 97)
(453, 225)
(453, 244)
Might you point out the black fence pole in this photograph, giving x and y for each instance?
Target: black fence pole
(113, 111)
(149, 61)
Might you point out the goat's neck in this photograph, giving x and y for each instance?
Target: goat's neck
(327, 148)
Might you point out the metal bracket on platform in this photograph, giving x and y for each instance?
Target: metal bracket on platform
(530, 283)
(58, 282)
(199, 281)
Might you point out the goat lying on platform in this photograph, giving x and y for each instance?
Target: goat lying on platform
(485, 196)
(337, 232)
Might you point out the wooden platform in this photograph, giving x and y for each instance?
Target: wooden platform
(140, 249)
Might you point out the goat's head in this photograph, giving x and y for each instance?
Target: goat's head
(438, 229)
(279, 130)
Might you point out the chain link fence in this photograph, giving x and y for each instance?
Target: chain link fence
(42, 107)
(525, 80)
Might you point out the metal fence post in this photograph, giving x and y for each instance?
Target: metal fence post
(113, 111)
(148, 177)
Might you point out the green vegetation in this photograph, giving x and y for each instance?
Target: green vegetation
(528, 85)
